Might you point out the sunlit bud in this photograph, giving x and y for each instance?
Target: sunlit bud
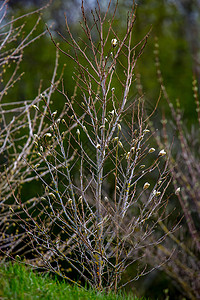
(78, 132)
(141, 137)
(158, 193)
(54, 113)
(115, 138)
(114, 42)
(162, 152)
(119, 127)
(58, 121)
(106, 199)
(151, 150)
(39, 154)
(35, 106)
(133, 149)
(98, 146)
(146, 186)
(69, 201)
(52, 195)
(113, 89)
(102, 126)
(195, 89)
(120, 144)
(48, 134)
(146, 131)
(84, 128)
(11, 208)
(80, 199)
(159, 182)
(142, 166)
(112, 112)
(41, 148)
(35, 136)
(177, 191)
(127, 155)
(154, 192)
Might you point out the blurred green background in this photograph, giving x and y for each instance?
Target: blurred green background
(175, 23)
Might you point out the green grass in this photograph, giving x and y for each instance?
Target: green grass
(20, 282)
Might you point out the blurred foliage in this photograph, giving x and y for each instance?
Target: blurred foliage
(162, 17)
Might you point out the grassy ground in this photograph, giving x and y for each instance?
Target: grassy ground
(18, 282)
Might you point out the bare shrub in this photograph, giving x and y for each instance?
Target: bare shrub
(104, 184)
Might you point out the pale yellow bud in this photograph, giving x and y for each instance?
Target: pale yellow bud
(98, 146)
(162, 152)
(52, 195)
(146, 131)
(48, 134)
(115, 139)
(146, 186)
(119, 127)
(142, 166)
(70, 201)
(120, 144)
(151, 150)
(114, 42)
(54, 113)
(177, 191)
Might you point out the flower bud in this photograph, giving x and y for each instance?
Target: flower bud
(146, 186)
(162, 152)
(151, 150)
(114, 42)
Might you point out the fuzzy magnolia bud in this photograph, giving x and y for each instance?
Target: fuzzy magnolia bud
(177, 191)
(151, 150)
(54, 113)
(52, 195)
(162, 152)
(146, 185)
(114, 42)
(146, 131)
(119, 127)
(120, 144)
(69, 201)
(98, 146)
(48, 134)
